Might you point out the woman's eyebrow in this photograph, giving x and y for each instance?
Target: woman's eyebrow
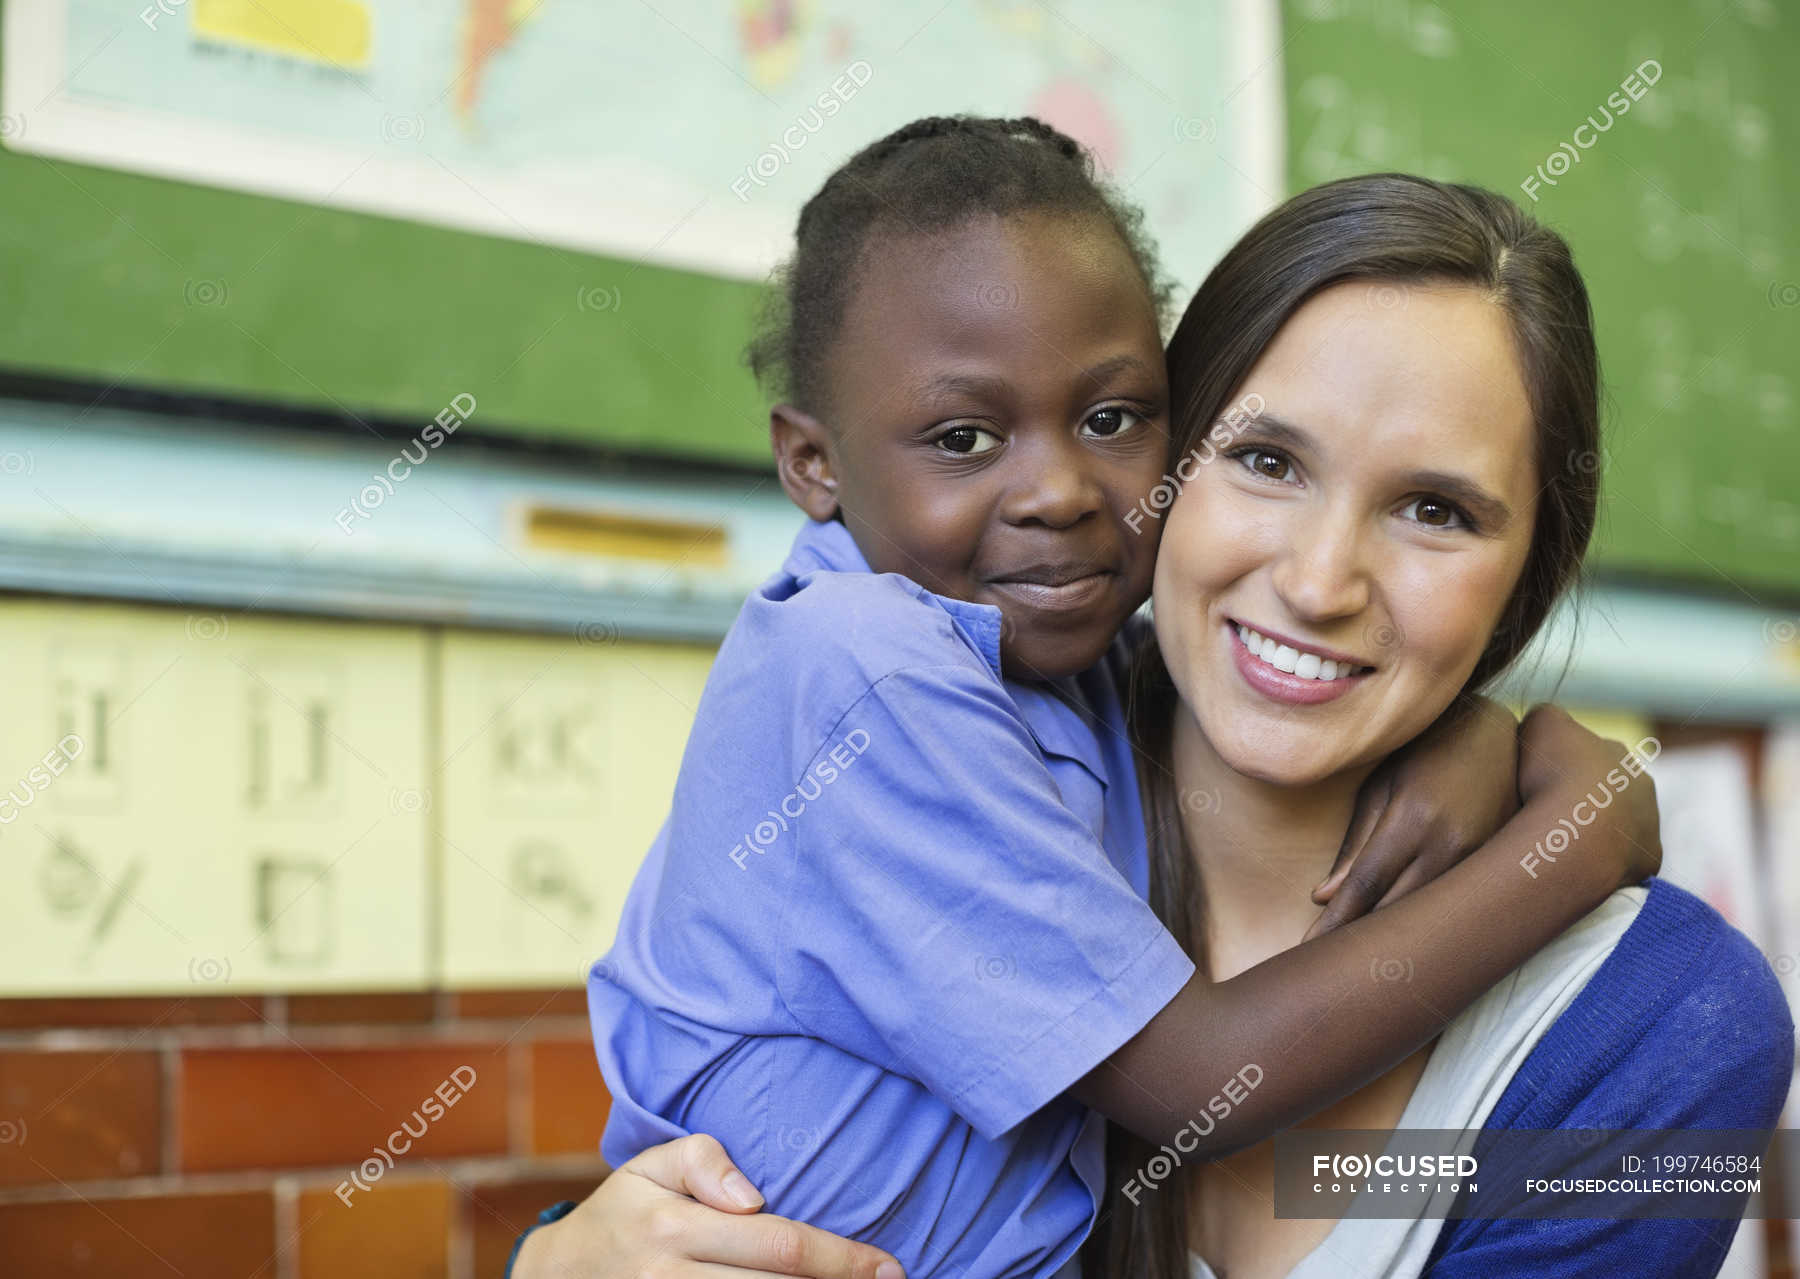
(1487, 510)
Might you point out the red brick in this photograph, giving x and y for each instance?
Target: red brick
(197, 1010)
(396, 1229)
(405, 1006)
(498, 1212)
(226, 1236)
(521, 1005)
(79, 1116)
(569, 1101)
(290, 1106)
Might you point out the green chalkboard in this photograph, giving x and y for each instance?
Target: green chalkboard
(120, 278)
(1683, 214)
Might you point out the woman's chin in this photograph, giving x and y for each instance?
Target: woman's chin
(1278, 762)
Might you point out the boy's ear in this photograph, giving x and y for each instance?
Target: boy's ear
(805, 459)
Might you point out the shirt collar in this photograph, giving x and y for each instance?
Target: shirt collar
(826, 545)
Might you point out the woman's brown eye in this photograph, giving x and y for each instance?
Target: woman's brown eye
(1434, 513)
(1272, 465)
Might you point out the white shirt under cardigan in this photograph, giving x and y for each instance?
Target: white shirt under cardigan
(1474, 1061)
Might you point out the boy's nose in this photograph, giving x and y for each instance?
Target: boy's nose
(1055, 486)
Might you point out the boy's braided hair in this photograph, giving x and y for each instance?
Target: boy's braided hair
(928, 176)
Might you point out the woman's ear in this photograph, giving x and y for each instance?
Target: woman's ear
(805, 459)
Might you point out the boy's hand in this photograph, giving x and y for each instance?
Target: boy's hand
(1424, 810)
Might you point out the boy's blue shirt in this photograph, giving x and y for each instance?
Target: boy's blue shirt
(896, 911)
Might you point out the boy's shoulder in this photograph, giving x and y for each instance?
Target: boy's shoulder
(864, 626)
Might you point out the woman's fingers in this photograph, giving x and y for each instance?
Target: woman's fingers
(763, 1244)
(697, 1166)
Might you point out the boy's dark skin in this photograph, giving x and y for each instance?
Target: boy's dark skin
(973, 436)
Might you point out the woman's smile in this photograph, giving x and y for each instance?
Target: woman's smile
(1289, 673)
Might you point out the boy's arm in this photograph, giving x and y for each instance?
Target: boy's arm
(1323, 1019)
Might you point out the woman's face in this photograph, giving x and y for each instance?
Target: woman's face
(1363, 532)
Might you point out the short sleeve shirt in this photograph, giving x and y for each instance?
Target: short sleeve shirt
(898, 908)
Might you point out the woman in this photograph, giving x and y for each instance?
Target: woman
(1412, 499)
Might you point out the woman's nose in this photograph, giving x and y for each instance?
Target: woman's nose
(1320, 574)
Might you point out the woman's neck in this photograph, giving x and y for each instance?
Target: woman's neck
(1260, 849)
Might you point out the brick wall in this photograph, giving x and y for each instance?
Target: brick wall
(206, 1137)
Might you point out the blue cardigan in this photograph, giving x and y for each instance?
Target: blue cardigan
(1683, 1026)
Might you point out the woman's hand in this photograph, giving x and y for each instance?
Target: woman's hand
(1423, 810)
(683, 1209)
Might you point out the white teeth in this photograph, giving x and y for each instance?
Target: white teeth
(1292, 660)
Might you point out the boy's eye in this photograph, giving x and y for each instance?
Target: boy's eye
(1115, 419)
(1264, 462)
(968, 439)
(1434, 512)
